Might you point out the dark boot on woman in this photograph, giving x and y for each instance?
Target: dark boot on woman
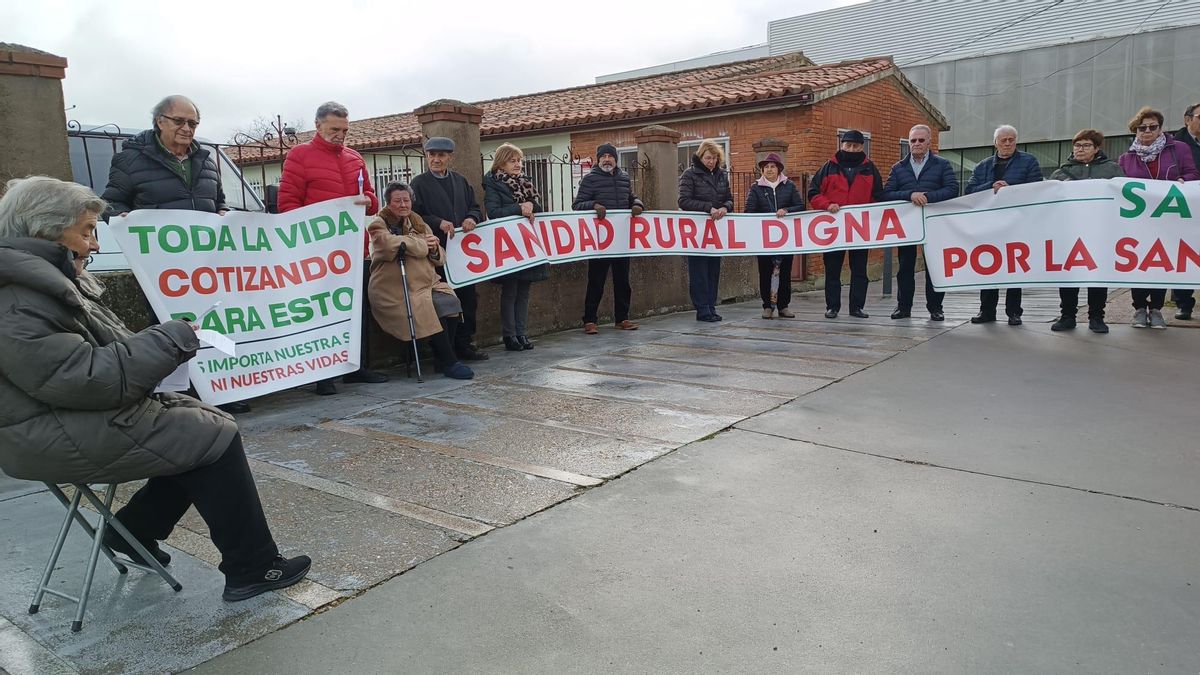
(513, 344)
(526, 343)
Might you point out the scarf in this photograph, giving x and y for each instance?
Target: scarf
(849, 159)
(522, 188)
(1149, 153)
(762, 180)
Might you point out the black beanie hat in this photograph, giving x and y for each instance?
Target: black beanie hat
(606, 149)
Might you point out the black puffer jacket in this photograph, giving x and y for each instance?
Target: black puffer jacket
(701, 189)
(765, 199)
(141, 177)
(610, 190)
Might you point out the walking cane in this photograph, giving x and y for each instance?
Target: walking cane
(412, 325)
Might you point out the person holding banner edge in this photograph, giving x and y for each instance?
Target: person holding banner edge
(1154, 155)
(849, 178)
(507, 191)
(775, 193)
(1189, 135)
(1008, 166)
(607, 186)
(445, 200)
(704, 187)
(1087, 161)
(165, 168)
(324, 168)
(921, 178)
(77, 401)
(395, 232)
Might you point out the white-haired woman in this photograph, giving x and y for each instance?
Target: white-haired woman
(77, 401)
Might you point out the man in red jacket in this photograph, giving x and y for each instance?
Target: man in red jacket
(847, 179)
(321, 169)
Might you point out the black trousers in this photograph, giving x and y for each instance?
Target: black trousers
(704, 282)
(989, 298)
(858, 279)
(442, 344)
(906, 285)
(1096, 299)
(1152, 298)
(1185, 298)
(766, 266)
(466, 330)
(622, 293)
(225, 496)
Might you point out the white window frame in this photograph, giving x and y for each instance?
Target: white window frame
(837, 142)
(722, 140)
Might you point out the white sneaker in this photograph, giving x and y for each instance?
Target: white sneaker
(1157, 320)
(1141, 318)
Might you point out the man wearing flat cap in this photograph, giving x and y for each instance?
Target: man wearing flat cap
(848, 178)
(445, 201)
(607, 187)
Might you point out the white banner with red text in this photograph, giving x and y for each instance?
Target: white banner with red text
(289, 288)
(506, 245)
(1120, 233)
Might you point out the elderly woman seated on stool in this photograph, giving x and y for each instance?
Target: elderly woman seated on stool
(77, 401)
(397, 232)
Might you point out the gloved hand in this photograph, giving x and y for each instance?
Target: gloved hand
(600, 211)
(636, 210)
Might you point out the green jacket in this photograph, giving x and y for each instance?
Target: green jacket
(1100, 167)
(76, 387)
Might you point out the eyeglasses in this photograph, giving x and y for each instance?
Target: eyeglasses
(1149, 127)
(918, 140)
(1081, 146)
(180, 121)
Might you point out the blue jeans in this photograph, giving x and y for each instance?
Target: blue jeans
(704, 275)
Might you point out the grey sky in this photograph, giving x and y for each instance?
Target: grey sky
(241, 60)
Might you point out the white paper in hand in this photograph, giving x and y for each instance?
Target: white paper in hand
(217, 341)
(176, 381)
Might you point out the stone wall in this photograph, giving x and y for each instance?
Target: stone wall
(33, 139)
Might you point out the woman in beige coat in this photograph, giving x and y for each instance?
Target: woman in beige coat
(397, 231)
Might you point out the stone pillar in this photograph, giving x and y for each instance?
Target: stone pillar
(459, 122)
(768, 145)
(658, 146)
(33, 126)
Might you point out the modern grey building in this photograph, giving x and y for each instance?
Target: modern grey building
(1048, 67)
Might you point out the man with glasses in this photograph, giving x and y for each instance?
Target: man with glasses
(321, 169)
(921, 178)
(1185, 300)
(1008, 166)
(165, 168)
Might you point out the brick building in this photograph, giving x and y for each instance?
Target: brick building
(785, 98)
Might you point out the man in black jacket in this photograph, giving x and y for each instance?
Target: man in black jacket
(165, 168)
(445, 200)
(607, 186)
(1185, 300)
(921, 178)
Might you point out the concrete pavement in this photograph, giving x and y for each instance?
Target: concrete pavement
(795, 541)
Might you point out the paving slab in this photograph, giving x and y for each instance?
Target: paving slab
(776, 556)
(784, 344)
(353, 545)
(135, 623)
(480, 492)
(11, 488)
(1022, 402)
(768, 357)
(658, 423)
(834, 339)
(714, 377)
(649, 391)
(588, 454)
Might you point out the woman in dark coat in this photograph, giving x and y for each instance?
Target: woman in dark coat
(1087, 162)
(509, 192)
(704, 187)
(77, 401)
(774, 193)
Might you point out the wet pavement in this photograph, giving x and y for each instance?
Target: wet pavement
(385, 480)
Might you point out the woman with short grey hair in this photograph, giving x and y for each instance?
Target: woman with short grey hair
(77, 401)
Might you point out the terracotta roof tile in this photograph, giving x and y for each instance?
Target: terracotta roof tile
(753, 80)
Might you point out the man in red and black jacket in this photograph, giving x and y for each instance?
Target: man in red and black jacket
(324, 168)
(849, 178)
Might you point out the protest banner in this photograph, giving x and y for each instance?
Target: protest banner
(289, 287)
(506, 245)
(1119, 232)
